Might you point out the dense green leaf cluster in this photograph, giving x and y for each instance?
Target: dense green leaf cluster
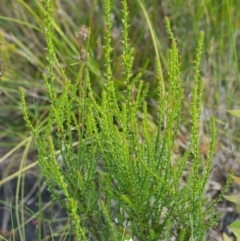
(117, 177)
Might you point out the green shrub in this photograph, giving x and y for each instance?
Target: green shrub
(118, 176)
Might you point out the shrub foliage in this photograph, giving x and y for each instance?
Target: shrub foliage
(118, 177)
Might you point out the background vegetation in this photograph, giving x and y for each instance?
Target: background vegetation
(24, 61)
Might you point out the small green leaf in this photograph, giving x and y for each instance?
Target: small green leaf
(234, 112)
(236, 179)
(234, 199)
(235, 224)
(236, 231)
(225, 237)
